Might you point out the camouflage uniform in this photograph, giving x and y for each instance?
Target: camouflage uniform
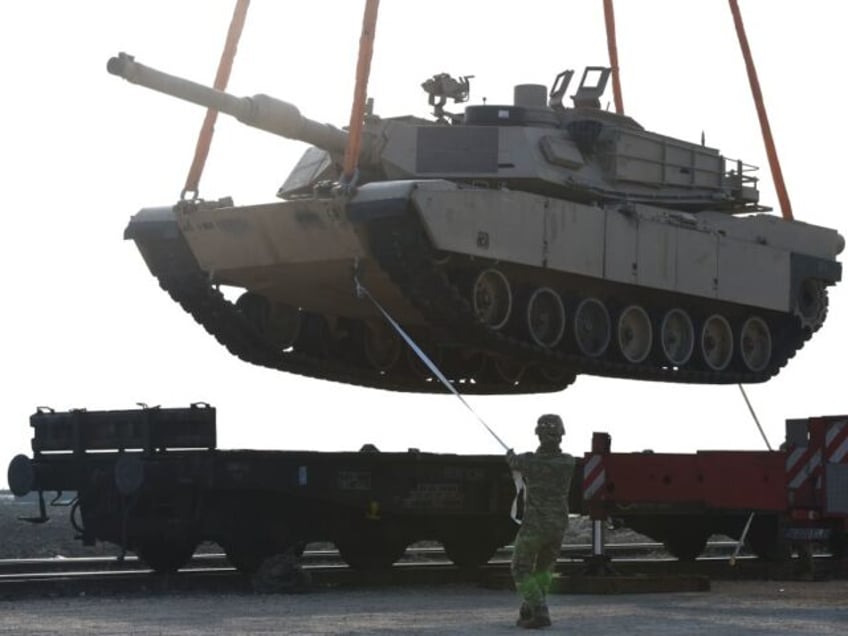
(547, 475)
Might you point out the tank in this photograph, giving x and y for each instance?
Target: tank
(518, 245)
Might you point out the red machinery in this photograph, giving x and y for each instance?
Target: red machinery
(796, 494)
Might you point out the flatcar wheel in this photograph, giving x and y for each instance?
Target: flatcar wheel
(635, 334)
(686, 544)
(717, 342)
(491, 298)
(755, 344)
(164, 556)
(469, 552)
(677, 337)
(369, 553)
(766, 538)
(545, 317)
(245, 559)
(592, 327)
(381, 345)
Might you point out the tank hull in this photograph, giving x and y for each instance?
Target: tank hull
(507, 291)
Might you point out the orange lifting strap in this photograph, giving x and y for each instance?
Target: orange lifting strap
(225, 66)
(357, 111)
(609, 19)
(771, 151)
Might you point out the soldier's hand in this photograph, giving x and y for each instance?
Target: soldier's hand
(510, 453)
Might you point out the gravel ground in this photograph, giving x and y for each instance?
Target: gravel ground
(744, 609)
(730, 608)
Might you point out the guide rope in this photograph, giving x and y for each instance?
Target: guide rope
(747, 527)
(517, 478)
(361, 291)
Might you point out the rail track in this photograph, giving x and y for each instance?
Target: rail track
(323, 568)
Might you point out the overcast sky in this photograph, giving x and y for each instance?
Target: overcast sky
(83, 324)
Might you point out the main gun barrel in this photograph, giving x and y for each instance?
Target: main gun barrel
(260, 111)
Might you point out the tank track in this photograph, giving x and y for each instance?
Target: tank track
(178, 274)
(403, 252)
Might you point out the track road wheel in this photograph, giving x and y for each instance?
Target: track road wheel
(509, 370)
(635, 334)
(166, 556)
(277, 322)
(552, 374)
(592, 327)
(418, 367)
(717, 342)
(677, 337)
(545, 317)
(381, 345)
(755, 344)
(491, 298)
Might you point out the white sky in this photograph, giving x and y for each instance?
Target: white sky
(83, 323)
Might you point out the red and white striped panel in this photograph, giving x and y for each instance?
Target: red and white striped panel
(802, 463)
(836, 443)
(594, 476)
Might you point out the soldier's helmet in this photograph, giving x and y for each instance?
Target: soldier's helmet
(550, 424)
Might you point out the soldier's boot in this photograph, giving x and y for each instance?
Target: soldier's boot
(539, 617)
(524, 613)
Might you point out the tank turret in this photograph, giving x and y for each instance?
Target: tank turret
(520, 245)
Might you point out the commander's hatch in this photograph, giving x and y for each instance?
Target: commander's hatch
(588, 95)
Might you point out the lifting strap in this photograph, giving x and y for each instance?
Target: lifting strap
(771, 151)
(360, 91)
(609, 19)
(225, 66)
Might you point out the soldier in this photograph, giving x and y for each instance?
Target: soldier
(547, 476)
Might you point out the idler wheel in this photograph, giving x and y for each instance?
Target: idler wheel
(277, 322)
(812, 304)
(545, 317)
(717, 342)
(592, 327)
(635, 334)
(381, 345)
(677, 337)
(755, 344)
(491, 298)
